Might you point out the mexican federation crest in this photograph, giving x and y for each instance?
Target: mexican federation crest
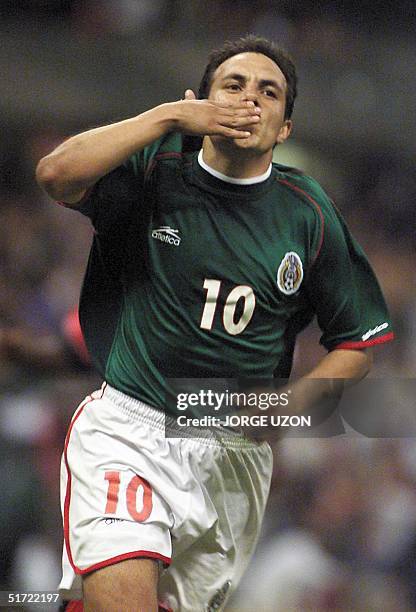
(290, 273)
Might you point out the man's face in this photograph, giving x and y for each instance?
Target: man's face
(254, 76)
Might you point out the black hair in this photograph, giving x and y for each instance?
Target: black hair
(252, 44)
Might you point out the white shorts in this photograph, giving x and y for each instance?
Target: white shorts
(195, 504)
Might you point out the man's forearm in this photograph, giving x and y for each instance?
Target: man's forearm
(338, 369)
(80, 161)
(347, 364)
(317, 393)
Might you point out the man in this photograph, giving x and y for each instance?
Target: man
(204, 265)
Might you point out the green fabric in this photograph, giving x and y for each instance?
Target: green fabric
(226, 238)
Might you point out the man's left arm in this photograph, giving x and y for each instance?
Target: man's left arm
(350, 365)
(315, 395)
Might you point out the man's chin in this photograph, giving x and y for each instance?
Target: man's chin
(241, 143)
(245, 142)
(250, 144)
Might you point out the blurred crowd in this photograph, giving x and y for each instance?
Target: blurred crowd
(340, 530)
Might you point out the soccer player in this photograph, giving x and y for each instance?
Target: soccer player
(204, 264)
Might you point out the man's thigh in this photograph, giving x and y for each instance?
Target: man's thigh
(130, 586)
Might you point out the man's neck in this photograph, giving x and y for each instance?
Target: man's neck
(234, 162)
(253, 180)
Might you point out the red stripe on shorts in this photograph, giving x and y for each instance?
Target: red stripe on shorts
(75, 605)
(130, 555)
(148, 554)
(67, 502)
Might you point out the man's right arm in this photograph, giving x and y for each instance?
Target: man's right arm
(79, 162)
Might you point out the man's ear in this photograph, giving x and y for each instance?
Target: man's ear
(284, 132)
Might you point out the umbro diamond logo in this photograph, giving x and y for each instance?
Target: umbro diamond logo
(167, 234)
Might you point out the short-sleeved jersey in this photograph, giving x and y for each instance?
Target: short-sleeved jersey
(193, 277)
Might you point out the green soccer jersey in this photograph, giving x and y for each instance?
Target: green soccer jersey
(193, 277)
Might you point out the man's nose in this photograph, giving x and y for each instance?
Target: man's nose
(249, 95)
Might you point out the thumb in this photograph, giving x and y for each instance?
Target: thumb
(189, 95)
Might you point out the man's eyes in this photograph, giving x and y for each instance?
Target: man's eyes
(233, 86)
(270, 93)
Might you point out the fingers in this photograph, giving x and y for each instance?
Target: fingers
(189, 95)
(239, 121)
(237, 127)
(243, 109)
(235, 119)
(233, 133)
(239, 117)
(205, 117)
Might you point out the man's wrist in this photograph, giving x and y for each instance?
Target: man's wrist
(170, 115)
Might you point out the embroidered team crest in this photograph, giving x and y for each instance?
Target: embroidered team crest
(290, 273)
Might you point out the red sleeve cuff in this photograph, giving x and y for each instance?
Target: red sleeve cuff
(362, 344)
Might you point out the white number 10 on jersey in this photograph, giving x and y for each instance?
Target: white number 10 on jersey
(241, 291)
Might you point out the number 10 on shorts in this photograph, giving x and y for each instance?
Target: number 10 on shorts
(137, 488)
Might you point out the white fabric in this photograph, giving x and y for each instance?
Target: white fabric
(229, 179)
(208, 495)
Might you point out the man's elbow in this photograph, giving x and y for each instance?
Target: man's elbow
(351, 365)
(368, 361)
(362, 362)
(49, 177)
(56, 179)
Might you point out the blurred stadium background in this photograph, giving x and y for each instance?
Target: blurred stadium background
(340, 532)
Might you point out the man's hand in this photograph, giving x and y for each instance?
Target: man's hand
(205, 117)
(76, 164)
